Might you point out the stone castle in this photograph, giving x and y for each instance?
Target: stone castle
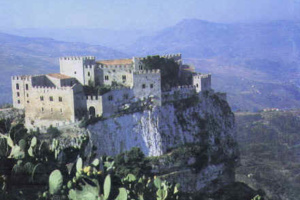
(61, 99)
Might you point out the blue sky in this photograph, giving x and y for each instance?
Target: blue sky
(138, 14)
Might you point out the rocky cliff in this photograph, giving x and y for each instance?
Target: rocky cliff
(191, 141)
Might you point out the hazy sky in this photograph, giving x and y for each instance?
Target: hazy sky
(143, 14)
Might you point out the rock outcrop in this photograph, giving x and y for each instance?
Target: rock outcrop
(193, 140)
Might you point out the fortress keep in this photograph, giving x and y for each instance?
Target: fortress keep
(61, 99)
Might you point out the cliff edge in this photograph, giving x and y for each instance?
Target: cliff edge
(191, 141)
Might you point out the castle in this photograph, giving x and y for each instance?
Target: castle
(61, 99)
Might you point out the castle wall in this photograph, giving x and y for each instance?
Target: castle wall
(21, 86)
(49, 106)
(178, 93)
(89, 74)
(74, 67)
(114, 100)
(121, 74)
(94, 102)
(202, 82)
(147, 83)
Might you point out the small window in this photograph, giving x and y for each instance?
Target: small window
(106, 78)
(89, 74)
(144, 86)
(26, 86)
(75, 72)
(51, 98)
(110, 97)
(42, 98)
(151, 85)
(17, 86)
(18, 94)
(19, 101)
(197, 85)
(27, 95)
(124, 77)
(125, 96)
(27, 101)
(42, 109)
(114, 70)
(60, 99)
(61, 110)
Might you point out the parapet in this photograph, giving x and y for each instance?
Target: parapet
(199, 75)
(154, 71)
(174, 56)
(78, 58)
(24, 77)
(89, 66)
(46, 89)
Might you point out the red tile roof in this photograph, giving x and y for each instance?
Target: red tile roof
(59, 76)
(116, 62)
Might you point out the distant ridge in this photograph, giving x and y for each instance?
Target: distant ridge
(24, 55)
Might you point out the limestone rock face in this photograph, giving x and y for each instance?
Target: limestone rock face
(204, 123)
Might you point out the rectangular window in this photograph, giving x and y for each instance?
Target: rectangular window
(51, 98)
(151, 85)
(124, 77)
(27, 101)
(144, 86)
(42, 98)
(18, 94)
(27, 95)
(89, 74)
(60, 99)
(17, 86)
(26, 86)
(42, 109)
(106, 78)
(110, 97)
(19, 101)
(61, 110)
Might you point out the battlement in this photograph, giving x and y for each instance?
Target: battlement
(93, 97)
(78, 58)
(23, 77)
(46, 89)
(89, 66)
(154, 71)
(124, 67)
(199, 75)
(170, 56)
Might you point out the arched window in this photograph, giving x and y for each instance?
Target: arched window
(17, 86)
(92, 111)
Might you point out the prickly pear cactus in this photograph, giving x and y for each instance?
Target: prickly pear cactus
(55, 182)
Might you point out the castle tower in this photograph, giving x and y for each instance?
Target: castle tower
(76, 67)
(202, 82)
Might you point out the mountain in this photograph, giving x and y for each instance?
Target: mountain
(23, 55)
(117, 39)
(257, 64)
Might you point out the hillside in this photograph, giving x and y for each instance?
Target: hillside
(248, 61)
(22, 55)
(269, 152)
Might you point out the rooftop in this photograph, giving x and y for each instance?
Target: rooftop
(116, 62)
(59, 76)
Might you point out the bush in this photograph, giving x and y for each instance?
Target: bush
(54, 132)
